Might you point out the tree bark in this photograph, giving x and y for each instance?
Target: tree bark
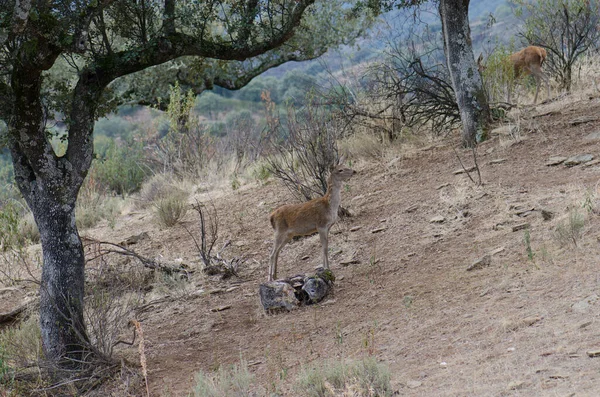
(50, 185)
(466, 81)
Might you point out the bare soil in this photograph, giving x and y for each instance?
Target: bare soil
(507, 329)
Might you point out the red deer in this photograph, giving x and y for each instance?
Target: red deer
(527, 61)
(317, 215)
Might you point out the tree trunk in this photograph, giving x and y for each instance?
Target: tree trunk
(466, 81)
(50, 185)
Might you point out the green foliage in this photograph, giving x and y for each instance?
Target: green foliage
(233, 381)
(10, 214)
(499, 73)
(366, 377)
(120, 170)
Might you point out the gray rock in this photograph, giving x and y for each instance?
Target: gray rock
(316, 288)
(480, 263)
(413, 384)
(576, 160)
(583, 306)
(277, 295)
(555, 160)
(437, 219)
(594, 136)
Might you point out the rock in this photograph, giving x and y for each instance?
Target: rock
(529, 321)
(591, 163)
(547, 215)
(508, 129)
(593, 136)
(277, 295)
(497, 161)
(131, 240)
(480, 263)
(497, 251)
(413, 384)
(412, 208)
(443, 185)
(556, 160)
(516, 385)
(316, 288)
(583, 306)
(576, 160)
(351, 261)
(437, 219)
(379, 229)
(355, 228)
(520, 226)
(593, 353)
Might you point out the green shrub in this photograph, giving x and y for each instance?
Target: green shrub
(169, 210)
(329, 379)
(233, 381)
(121, 169)
(9, 225)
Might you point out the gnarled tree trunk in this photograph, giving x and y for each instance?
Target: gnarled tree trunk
(466, 81)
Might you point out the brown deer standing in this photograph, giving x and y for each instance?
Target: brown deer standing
(317, 215)
(527, 61)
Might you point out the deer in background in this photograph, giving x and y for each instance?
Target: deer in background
(527, 61)
(317, 215)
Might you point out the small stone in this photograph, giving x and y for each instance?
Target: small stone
(593, 353)
(576, 160)
(443, 185)
(516, 385)
(413, 384)
(378, 230)
(593, 136)
(529, 321)
(591, 163)
(444, 364)
(349, 262)
(231, 289)
(437, 219)
(497, 251)
(547, 215)
(583, 306)
(480, 263)
(511, 349)
(556, 160)
(355, 228)
(305, 257)
(520, 226)
(497, 161)
(412, 208)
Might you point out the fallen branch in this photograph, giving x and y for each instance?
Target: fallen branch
(13, 314)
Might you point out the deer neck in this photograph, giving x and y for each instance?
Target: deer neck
(334, 196)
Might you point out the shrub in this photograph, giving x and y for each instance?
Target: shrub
(157, 188)
(121, 169)
(363, 378)
(169, 210)
(233, 381)
(9, 226)
(570, 230)
(20, 346)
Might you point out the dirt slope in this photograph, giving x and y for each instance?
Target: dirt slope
(509, 329)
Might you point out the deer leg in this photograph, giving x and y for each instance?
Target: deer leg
(280, 241)
(323, 235)
(537, 87)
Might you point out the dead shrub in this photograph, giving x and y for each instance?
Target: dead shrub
(170, 209)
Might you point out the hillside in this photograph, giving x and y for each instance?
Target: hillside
(521, 326)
